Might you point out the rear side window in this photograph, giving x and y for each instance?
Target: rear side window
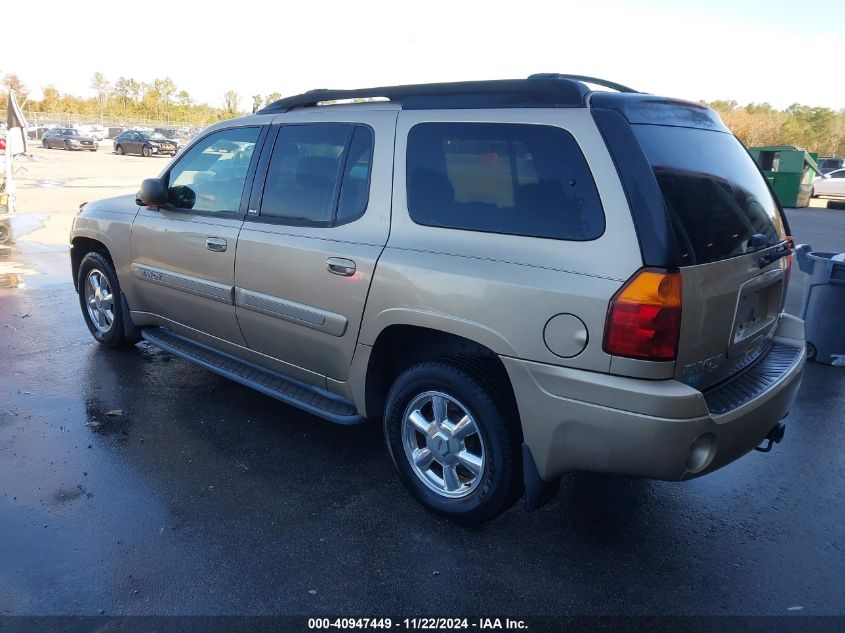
(529, 180)
(716, 198)
(319, 174)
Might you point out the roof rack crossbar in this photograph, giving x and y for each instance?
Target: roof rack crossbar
(543, 90)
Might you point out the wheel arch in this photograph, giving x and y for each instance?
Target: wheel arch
(81, 245)
(400, 345)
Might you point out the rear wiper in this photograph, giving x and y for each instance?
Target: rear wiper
(768, 259)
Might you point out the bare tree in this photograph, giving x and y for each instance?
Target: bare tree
(231, 100)
(101, 85)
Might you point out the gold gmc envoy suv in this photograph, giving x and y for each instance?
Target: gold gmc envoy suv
(521, 278)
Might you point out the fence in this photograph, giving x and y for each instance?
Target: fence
(68, 118)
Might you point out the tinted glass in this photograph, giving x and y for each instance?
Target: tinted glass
(302, 180)
(211, 175)
(837, 174)
(527, 180)
(355, 188)
(714, 193)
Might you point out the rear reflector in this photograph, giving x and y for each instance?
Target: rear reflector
(644, 317)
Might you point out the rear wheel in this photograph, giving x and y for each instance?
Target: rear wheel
(455, 440)
(44, 143)
(99, 298)
(145, 151)
(119, 150)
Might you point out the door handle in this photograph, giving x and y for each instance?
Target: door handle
(216, 244)
(340, 266)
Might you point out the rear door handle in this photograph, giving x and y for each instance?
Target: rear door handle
(341, 266)
(216, 244)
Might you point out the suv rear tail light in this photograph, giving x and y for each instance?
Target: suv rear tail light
(644, 317)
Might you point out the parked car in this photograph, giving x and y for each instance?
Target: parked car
(144, 143)
(829, 164)
(831, 184)
(517, 289)
(69, 139)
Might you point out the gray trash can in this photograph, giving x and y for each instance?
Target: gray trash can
(824, 305)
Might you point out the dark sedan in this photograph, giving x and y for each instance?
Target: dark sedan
(143, 143)
(68, 138)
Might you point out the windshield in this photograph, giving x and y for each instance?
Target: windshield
(715, 195)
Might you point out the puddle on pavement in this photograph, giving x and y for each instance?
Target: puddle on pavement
(26, 262)
(51, 183)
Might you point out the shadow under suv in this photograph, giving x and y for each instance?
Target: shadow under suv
(520, 278)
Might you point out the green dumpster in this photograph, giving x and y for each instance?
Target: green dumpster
(791, 170)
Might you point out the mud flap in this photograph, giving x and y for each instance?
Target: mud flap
(537, 491)
(130, 331)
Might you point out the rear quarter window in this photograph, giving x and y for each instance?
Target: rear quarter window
(529, 180)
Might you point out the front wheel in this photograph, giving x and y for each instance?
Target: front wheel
(67, 145)
(454, 436)
(145, 151)
(99, 298)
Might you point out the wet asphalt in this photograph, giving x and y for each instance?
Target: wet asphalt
(135, 483)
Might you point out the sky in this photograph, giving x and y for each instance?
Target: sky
(778, 51)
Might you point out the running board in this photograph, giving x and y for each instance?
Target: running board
(314, 400)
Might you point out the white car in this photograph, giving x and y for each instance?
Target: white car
(97, 132)
(832, 184)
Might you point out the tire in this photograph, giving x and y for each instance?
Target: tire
(145, 152)
(494, 442)
(119, 150)
(67, 145)
(44, 144)
(108, 328)
(813, 193)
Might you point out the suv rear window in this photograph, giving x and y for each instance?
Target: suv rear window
(517, 179)
(715, 195)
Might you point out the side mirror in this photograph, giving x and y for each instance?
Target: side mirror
(153, 193)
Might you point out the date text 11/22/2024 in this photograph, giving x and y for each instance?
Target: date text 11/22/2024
(417, 624)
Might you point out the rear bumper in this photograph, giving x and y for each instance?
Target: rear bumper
(581, 421)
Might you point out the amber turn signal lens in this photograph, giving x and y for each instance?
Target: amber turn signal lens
(644, 317)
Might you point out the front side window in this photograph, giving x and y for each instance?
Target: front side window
(318, 174)
(211, 175)
(517, 179)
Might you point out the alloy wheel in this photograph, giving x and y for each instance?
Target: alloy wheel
(443, 444)
(99, 300)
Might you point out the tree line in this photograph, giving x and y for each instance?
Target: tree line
(128, 98)
(816, 129)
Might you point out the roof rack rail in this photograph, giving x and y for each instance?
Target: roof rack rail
(538, 91)
(585, 79)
